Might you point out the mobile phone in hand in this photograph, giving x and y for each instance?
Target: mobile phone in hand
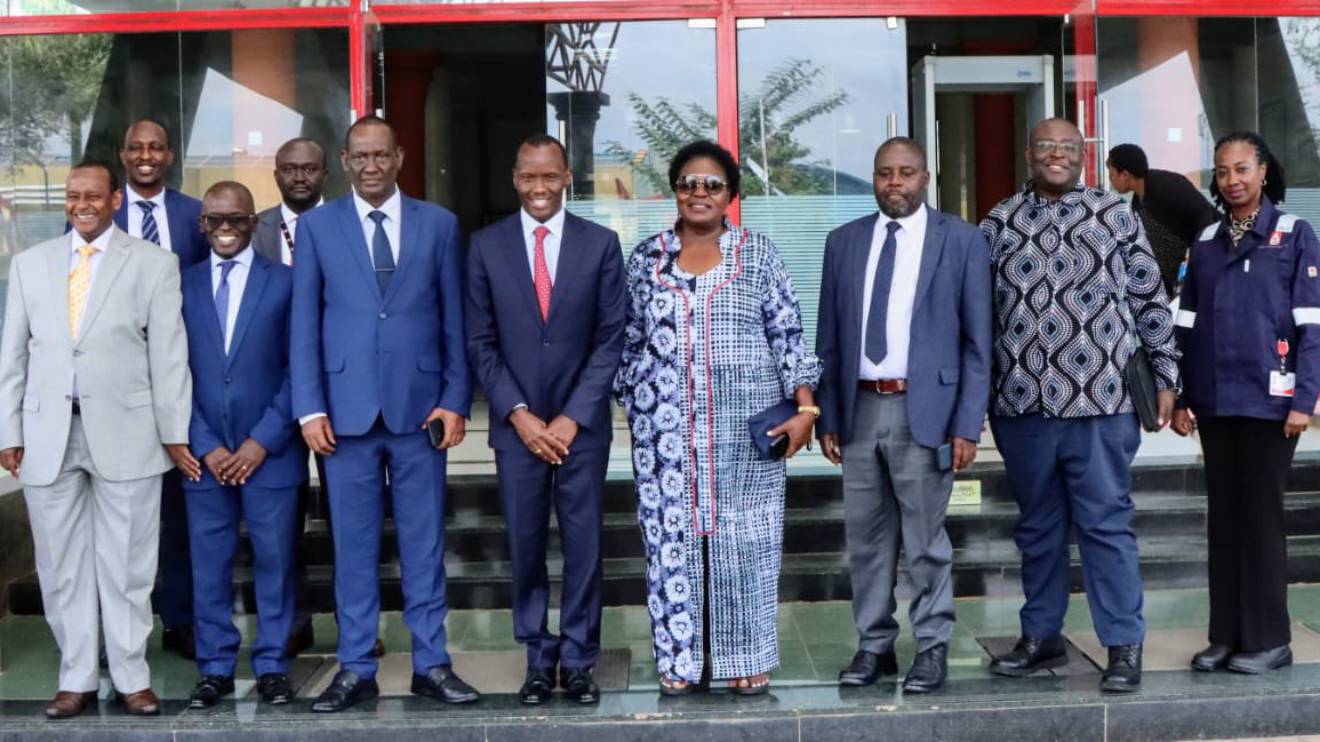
(436, 429)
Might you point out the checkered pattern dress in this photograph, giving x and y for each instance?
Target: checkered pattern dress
(702, 355)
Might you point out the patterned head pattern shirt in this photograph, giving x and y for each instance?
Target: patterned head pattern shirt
(1076, 288)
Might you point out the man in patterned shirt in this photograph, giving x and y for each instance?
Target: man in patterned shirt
(1076, 288)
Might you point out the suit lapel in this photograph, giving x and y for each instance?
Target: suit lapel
(930, 254)
(256, 283)
(514, 247)
(198, 284)
(114, 260)
(59, 283)
(408, 245)
(567, 271)
(357, 243)
(121, 214)
(855, 267)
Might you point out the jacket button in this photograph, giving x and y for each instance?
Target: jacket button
(383, 315)
(545, 342)
(228, 380)
(68, 397)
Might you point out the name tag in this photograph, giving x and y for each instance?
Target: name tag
(1281, 384)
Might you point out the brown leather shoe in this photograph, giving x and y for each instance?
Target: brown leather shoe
(67, 703)
(141, 703)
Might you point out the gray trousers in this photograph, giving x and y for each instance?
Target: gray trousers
(96, 547)
(894, 492)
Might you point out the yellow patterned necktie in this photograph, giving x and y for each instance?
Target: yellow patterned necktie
(80, 283)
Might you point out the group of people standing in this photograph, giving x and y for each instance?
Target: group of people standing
(353, 329)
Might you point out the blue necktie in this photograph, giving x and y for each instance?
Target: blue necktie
(222, 298)
(876, 319)
(150, 232)
(380, 252)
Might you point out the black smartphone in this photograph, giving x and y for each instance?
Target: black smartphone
(779, 447)
(436, 429)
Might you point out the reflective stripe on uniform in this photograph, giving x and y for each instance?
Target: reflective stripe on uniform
(1286, 223)
(1209, 232)
(1187, 319)
(1306, 316)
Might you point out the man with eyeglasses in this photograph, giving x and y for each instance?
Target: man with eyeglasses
(236, 309)
(381, 388)
(545, 318)
(1077, 291)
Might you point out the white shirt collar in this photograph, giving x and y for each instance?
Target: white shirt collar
(135, 197)
(289, 216)
(101, 243)
(392, 207)
(912, 223)
(555, 223)
(244, 258)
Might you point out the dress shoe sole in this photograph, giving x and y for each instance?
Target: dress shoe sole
(854, 681)
(1259, 669)
(1124, 687)
(1210, 666)
(278, 700)
(531, 700)
(585, 700)
(202, 704)
(455, 700)
(1022, 672)
(326, 709)
(922, 687)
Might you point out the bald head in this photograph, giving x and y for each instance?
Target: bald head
(1054, 157)
(228, 218)
(905, 143)
(230, 189)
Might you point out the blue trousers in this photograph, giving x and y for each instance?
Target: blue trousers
(173, 594)
(213, 519)
(529, 487)
(1075, 475)
(356, 472)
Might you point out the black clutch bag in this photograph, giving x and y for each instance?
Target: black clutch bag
(760, 425)
(1141, 389)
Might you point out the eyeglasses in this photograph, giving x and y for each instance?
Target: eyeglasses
(1048, 146)
(687, 184)
(238, 221)
(309, 171)
(360, 159)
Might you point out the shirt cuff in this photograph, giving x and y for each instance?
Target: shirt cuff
(308, 418)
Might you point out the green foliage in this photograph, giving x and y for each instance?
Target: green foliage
(55, 84)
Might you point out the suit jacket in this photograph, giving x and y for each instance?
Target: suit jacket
(267, 240)
(245, 392)
(563, 366)
(949, 354)
(183, 213)
(357, 354)
(130, 358)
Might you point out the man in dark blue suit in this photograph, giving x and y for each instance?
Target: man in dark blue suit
(377, 355)
(236, 309)
(545, 318)
(905, 336)
(167, 218)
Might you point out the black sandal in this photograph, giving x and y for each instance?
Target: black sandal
(668, 687)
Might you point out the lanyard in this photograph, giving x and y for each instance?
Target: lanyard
(288, 238)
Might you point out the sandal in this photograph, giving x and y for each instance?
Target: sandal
(749, 686)
(676, 686)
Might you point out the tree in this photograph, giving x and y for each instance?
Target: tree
(56, 82)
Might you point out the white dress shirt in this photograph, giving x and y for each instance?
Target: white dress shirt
(135, 216)
(238, 276)
(556, 226)
(393, 208)
(291, 223)
(911, 238)
(101, 243)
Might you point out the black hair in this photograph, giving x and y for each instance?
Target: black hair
(301, 140)
(543, 140)
(707, 148)
(155, 122)
(908, 142)
(371, 120)
(90, 164)
(1129, 158)
(1275, 187)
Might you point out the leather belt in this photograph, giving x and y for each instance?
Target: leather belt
(883, 387)
(77, 410)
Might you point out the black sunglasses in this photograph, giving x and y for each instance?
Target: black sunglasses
(237, 221)
(687, 184)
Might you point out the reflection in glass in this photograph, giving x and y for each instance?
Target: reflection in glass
(1289, 63)
(78, 7)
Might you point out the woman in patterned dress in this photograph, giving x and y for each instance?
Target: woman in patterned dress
(714, 336)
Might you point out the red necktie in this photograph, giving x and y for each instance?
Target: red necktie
(541, 272)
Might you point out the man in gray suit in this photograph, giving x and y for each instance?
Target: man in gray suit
(300, 175)
(905, 334)
(95, 400)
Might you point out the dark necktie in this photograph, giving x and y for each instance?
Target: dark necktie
(222, 298)
(876, 319)
(380, 252)
(150, 232)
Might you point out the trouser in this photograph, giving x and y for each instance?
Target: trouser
(173, 594)
(1246, 467)
(893, 491)
(95, 543)
(529, 487)
(1075, 474)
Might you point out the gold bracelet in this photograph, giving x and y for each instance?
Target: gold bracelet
(813, 409)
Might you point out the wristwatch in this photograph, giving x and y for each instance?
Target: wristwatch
(813, 409)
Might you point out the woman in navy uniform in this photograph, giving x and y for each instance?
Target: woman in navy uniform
(1249, 329)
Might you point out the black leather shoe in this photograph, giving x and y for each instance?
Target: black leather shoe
(929, 670)
(275, 688)
(578, 685)
(1031, 655)
(868, 667)
(180, 641)
(1124, 672)
(537, 687)
(345, 690)
(1213, 657)
(209, 690)
(1255, 663)
(442, 684)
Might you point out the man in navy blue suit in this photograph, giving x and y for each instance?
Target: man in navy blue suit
(545, 318)
(236, 310)
(167, 218)
(377, 354)
(904, 333)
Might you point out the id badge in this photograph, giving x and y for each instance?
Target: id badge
(1281, 384)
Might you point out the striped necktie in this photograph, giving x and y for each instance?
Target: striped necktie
(80, 284)
(150, 232)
